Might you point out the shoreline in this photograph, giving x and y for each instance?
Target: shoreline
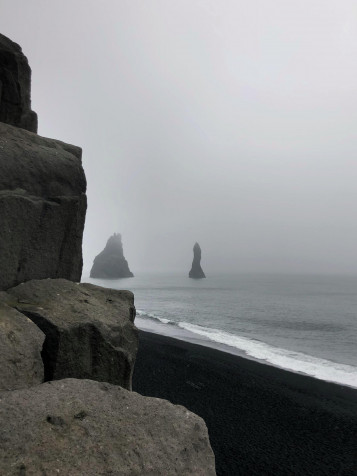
(261, 419)
(190, 337)
(330, 363)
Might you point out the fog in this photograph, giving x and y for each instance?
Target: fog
(231, 123)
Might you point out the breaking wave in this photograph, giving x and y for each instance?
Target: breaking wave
(291, 360)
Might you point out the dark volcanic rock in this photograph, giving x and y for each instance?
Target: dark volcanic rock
(42, 208)
(89, 330)
(81, 427)
(15, 87)
(69, 425)
(196, 270)
(110, 263)
(20, 349)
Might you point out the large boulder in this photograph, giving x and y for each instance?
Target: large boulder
(89, 330)
(20, 349)
(42, 208)
(15, 87)
(110, 263)
(81, 427)
(196, 271)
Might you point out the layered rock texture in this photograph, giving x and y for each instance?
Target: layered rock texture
(89, 330)
(20, 349)
(15, 87)
(81, 427)
(110, 263)
(196, 271)
(74, 425)
(42, 208)
(63, 333)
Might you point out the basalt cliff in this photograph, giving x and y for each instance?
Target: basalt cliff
(15, 90)
(42, 186)
(67, 350)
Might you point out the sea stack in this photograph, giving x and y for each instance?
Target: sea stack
(196, 270)
(110, 263)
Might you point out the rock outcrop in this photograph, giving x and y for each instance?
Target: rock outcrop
(89, 330)
(81, 427)
(110, 263)
(42, 208)
(15, 87)
(20, 349)
(196, 271)
(42, 186)
(64, 332)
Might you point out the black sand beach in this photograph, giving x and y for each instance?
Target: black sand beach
(261, 420)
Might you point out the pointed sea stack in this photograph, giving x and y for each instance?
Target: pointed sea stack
(110, 263)
(196, 270)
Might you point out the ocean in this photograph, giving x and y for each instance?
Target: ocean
(306, 324)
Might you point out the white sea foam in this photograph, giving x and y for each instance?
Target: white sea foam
(315, 315)
(153, 316)
(295, 361)
(286, 359)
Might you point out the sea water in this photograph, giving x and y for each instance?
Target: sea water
(306, 324)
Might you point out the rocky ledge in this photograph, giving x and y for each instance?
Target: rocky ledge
(81, 427)
(89, 330)
(42, 208)
(20, 349)
(74, 425)
(64, 333)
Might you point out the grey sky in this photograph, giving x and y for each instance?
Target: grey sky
(231, 123)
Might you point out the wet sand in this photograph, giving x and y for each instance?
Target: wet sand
(261, 420)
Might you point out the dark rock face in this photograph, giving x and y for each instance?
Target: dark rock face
(81, 427)
(42, 208)
(20, 349)
(15, 87)
(52, 329)
(196, 270)
(89, 330)
(110, 263)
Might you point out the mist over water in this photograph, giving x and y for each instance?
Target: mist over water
(228, 123)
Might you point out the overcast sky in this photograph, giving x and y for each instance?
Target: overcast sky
(227, 122)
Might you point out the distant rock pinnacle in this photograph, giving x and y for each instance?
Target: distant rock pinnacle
(196, 270)
(110, 263)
